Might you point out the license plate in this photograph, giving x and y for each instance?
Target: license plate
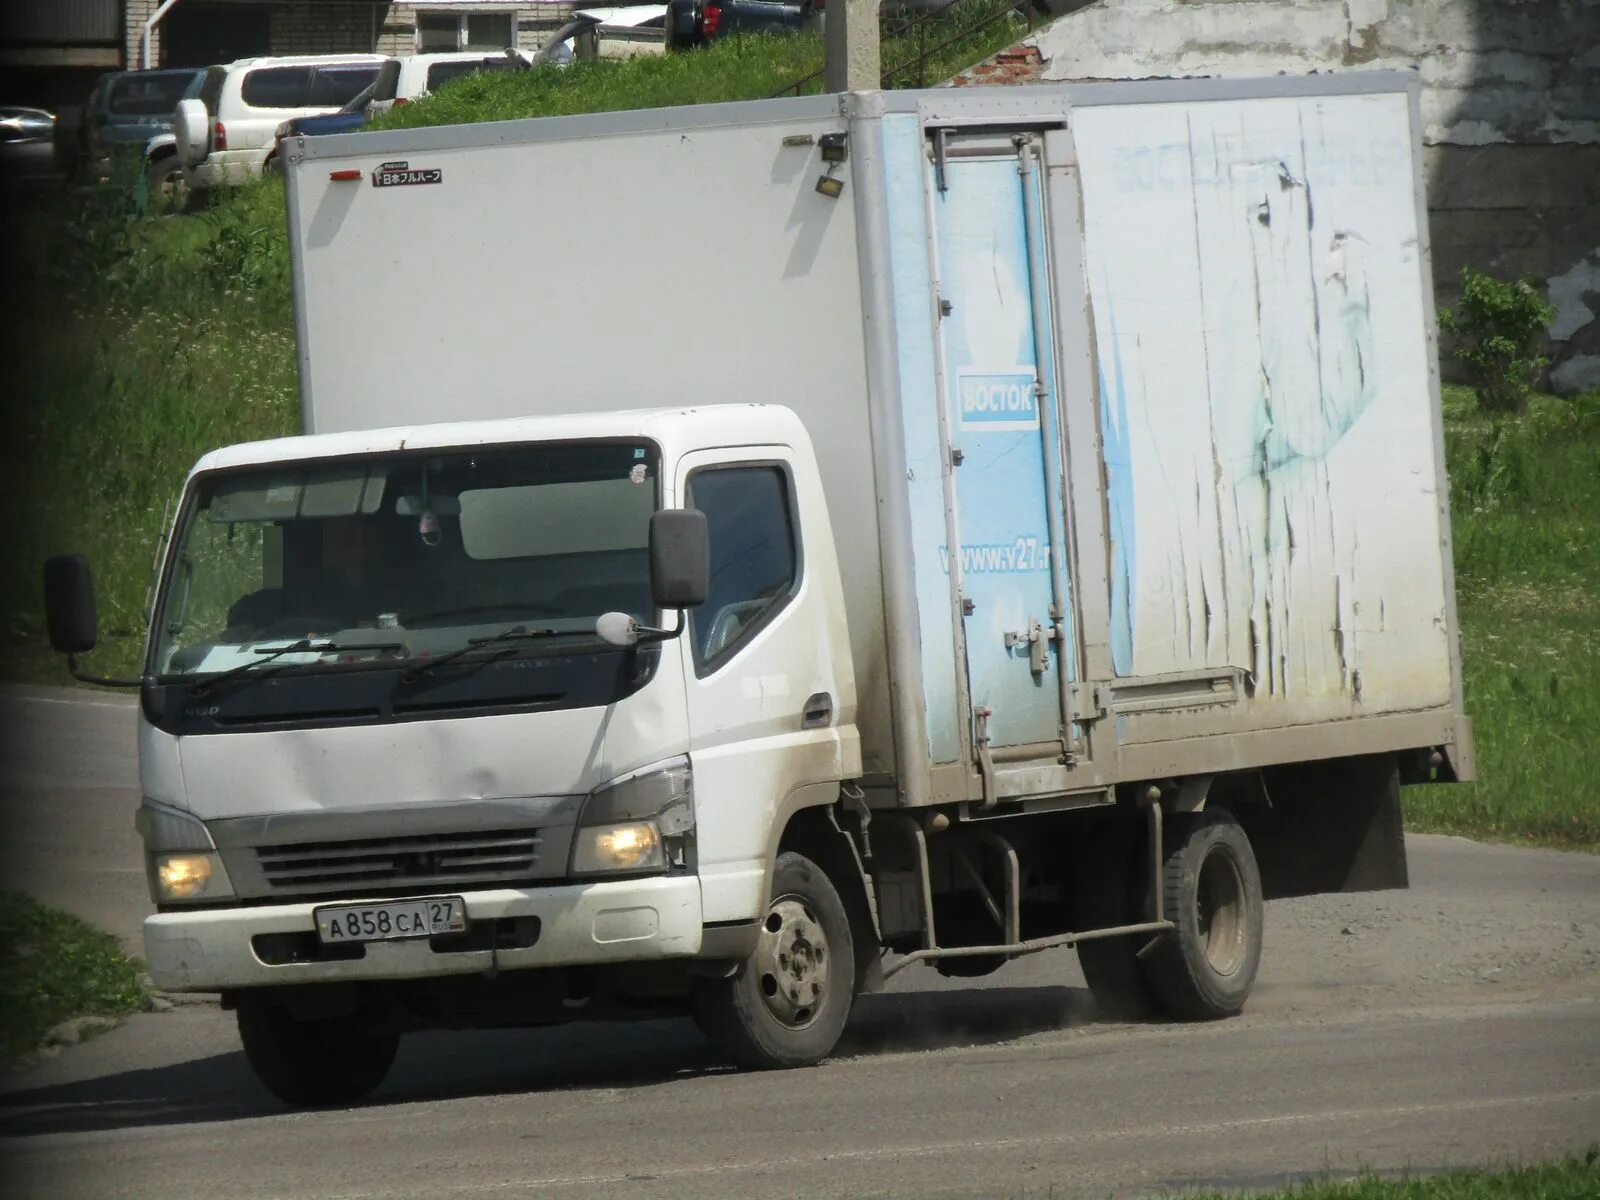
(426, 917)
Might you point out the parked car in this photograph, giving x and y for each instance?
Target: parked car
(227, 134)
(377, 96)
(27, 140)
(421, 74)
(127, 109)
(693, 23)
(628, 31)
(410, 77)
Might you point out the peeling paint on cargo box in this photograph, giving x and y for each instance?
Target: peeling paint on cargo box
(1119, 501)
(1266, 428)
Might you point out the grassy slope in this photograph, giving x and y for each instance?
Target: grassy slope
(745, 68)
(1570, 1179)
(146, 343)
(53, 967)
(1526, 496)
(142, 345)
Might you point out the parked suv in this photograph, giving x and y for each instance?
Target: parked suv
(127, 109)
(227, 134)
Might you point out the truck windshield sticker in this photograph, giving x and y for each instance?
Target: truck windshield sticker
(400, 174)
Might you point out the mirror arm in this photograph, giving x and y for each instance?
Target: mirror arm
(102, 680)
(652, 637)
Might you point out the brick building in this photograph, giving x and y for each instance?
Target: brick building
(199, 32)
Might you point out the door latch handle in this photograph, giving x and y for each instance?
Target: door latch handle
(1038, 637)
(818, 712)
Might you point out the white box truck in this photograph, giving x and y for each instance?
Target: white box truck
(737, 552)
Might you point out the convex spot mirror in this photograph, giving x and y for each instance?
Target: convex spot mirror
(680, 558)
(69, 603)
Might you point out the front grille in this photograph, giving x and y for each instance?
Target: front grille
(400, 862)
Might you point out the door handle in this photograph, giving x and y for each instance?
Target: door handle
(1038, 638)
(818, 712)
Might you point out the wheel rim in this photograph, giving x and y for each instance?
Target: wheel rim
(791, 963)
(1219, 901)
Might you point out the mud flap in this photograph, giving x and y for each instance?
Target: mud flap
(1329, 827)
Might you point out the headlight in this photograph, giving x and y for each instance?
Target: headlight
(182, 861)
(636, 823)
(190, 877)
(635, 846)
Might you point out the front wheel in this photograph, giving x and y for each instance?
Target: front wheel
(787, 1004)
(1211, 888)
(314, 1064)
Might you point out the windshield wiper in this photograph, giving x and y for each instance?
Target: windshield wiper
(516, 633)
(304, 645)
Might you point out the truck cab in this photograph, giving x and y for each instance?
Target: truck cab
(437, 702)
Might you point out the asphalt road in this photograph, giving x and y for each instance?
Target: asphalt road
(1457, 1023)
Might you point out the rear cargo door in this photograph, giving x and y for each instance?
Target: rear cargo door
(1002, 423)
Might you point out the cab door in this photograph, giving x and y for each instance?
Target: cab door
(771, 717)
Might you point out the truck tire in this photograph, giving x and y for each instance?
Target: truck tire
(1111, 966)
(787, 1003)
(314, 1064)
(1212, 892)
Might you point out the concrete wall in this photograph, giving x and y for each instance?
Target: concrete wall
(1511, 114)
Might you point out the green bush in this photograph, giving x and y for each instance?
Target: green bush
(1495, 325)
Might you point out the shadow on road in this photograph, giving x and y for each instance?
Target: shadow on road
(453, 1066)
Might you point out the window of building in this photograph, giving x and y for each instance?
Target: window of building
(754, 560)
(442, 32)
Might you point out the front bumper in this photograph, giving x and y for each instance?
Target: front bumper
(588, 923)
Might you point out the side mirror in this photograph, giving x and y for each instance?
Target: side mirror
(69, 603)
(680, 558)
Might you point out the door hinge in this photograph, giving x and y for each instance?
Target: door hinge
(957, 456)
(945, 307)
(1088, 701)
(980, 742)
(967, 607)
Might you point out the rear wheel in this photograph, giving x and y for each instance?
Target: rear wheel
(169, 190)
(1205, 968)
(1116, 896)
(787, 1004)
(312, 1064)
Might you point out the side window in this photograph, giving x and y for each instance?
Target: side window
(277, 87)
(753, 555)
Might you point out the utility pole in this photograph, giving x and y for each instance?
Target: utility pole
(851, 62)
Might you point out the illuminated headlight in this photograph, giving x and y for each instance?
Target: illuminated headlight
(635, 846)
(638, 823)
(183, 864)
(190, 877)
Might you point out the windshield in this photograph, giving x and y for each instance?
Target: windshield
(407, 557)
